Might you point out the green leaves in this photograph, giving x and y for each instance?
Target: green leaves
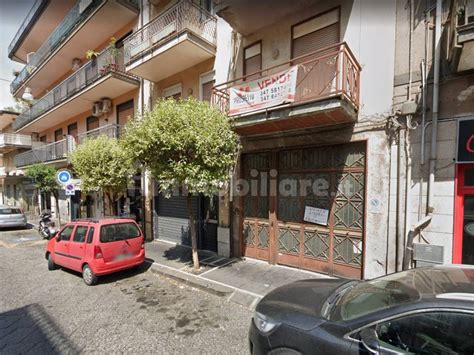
(102, 164)
(43, 176)
(184, 143)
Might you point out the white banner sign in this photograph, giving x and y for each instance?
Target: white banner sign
(265, 92)
(316, 215)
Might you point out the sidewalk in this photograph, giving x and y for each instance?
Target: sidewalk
(243, 281)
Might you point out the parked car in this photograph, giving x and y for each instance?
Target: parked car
(97, 247)
(421, 311)
(12, 217)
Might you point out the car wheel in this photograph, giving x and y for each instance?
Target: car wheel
(88, 276)
(51, 264)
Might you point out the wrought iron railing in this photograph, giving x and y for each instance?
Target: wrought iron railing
(26, 24)
(110, 60)
(46, 153)
(184, 16)
(12, 139)
(330, 72)
(76, 16)
(111, 131)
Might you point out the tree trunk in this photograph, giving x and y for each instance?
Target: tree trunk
(56, 200)
(112, 204)
(192, 229)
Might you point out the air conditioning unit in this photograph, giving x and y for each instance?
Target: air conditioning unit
(83, 5)
(96, 109)
(106, 105)
(29, 57)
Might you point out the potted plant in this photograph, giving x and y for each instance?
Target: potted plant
(113, 55)
(91, 54)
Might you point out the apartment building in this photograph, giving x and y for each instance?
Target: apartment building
(337, 95)
(434, 70)
(74, 75)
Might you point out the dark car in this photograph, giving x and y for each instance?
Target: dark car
(420, 311)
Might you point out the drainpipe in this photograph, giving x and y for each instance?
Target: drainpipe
(434, 128)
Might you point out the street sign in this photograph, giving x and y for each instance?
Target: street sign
(69, 188)
(63, 176)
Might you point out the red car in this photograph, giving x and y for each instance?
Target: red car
(97, 247)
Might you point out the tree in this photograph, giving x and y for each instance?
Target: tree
(44, 180)
(102, 164)
(186, 144)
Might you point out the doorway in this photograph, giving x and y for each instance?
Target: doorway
(463, 250)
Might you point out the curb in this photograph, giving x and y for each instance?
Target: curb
(233, 294)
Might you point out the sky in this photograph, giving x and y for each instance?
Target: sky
(12, 14)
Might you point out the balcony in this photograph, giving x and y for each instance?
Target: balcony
(461, 36)
(98, 78)
(71, 39)
(326, 93)
(111, 131)
(43, 17)
(11, 141)
(47, 153)
(57, 152)
(179, 38)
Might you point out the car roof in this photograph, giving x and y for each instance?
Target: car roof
(102, 221)
(440, 282)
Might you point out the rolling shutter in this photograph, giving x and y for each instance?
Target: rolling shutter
(316, 34)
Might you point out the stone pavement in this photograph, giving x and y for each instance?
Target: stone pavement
(243, 281)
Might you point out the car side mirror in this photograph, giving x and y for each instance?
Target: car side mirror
(370, 340)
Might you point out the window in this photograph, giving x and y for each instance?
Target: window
(80, 234)
(207, 82)
(58, 135)
(121, 231)
(43, 139)
(124, 112)
(429, 333)
(72, 129)
(66, 233)
(7, 211)
(92, 123)
(90, 235)
(252, 59)
(316, 33)
(173, 91)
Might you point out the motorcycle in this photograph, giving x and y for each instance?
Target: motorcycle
(47, 227)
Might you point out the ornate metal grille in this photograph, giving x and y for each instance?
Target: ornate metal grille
(316, 244)
(289, 240)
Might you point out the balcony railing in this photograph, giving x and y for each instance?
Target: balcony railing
(111, 131)
(25, 25)
(46, 153)
(73, 19)
(76, 16)
(12, 139)
(110, 60)
(330, 72)
(184, 16)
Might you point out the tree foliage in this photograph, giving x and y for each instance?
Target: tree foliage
(102, 164)
(184, 143)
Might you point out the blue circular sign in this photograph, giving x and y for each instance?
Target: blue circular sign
(64, 176)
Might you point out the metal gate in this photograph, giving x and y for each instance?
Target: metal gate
(330, 178)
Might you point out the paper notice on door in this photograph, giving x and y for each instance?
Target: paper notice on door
(316, 215)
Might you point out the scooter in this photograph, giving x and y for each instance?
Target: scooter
(47, 227)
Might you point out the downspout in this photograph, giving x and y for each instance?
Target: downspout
(434, 128)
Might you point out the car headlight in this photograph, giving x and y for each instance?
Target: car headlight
(263, 323)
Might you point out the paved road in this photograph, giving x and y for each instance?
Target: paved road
(45, 311)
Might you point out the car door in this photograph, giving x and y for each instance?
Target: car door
(77, 247)
(61, 246)
(427, 332)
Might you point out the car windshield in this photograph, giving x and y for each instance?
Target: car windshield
(372, 296)
(120, 231)
(10, 211)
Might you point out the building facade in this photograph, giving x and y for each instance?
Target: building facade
(331, 100)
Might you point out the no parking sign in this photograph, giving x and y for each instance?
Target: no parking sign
(70, 190)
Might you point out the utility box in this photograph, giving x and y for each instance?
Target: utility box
(427, 254)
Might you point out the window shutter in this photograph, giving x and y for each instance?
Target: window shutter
(316, 40)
